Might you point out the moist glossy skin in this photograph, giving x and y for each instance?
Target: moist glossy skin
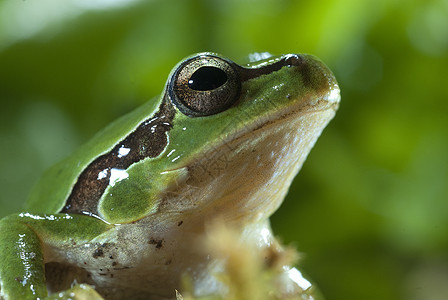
(124, 213)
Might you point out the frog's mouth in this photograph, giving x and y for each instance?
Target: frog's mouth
(290, 113)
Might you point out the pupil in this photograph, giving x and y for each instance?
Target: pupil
(207, 78)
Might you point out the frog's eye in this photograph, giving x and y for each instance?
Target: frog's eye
(204, 85)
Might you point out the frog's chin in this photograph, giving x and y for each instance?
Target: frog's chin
(244, 179)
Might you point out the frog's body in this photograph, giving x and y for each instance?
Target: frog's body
(125, 213)
(144, 262)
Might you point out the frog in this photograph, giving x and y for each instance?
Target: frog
(123, 214)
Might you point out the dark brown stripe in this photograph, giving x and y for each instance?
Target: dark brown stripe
(148, 140)
(288, 61)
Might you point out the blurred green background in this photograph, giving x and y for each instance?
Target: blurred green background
(369, 210)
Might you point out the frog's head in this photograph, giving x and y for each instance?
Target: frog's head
(241, 133)
(222, 139)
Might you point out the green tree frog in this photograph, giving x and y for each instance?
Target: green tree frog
(123, 214)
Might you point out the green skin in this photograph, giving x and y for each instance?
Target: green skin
(139, 237)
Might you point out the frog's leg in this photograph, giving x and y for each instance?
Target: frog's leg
(22, 274)
(23, 239)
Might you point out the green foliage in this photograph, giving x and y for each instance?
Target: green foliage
(369, 209)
